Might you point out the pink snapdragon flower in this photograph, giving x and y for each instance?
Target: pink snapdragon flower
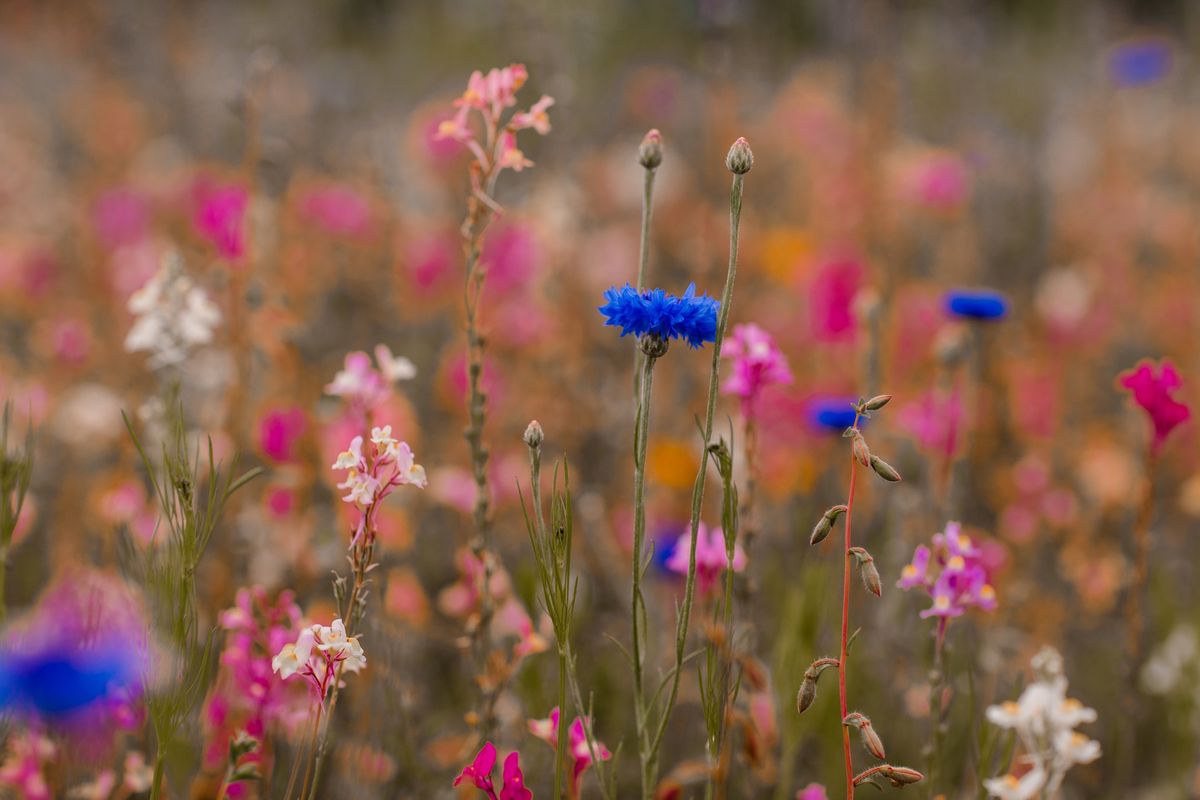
(757, 364)
(831, 300)
(577, 745)
(321, 654)
(372, 474)
(953, 572)
(219, 217)
(479, 774)
(1153, 393)
(246, 695)
(363, 386)
(814, 791)
(711, 558)
(490, 96)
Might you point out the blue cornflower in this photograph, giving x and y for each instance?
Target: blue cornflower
(1140, 62)
(689, 317)
(977, 304)
(62, 680)
(833, 414)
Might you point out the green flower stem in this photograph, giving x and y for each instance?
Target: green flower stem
(650, 765)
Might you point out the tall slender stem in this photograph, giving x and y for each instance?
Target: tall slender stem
(647, 211)
(637, 602)
(156, 783)
(650, 769)
(937, 683)
(846, 631)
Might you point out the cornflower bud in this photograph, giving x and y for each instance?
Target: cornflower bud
(534, 435)
(884, 469)
(650, 151)
(740, 159)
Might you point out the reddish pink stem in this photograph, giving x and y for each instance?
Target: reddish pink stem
(845, 634)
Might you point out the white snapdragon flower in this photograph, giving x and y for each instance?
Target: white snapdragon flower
(1010, 787)
(173, 315)
(394, 368)
(294, 656)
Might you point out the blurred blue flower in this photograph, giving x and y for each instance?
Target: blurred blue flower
(977, 304)
(689, 317)
(61, 680)
(1140, 62)
(833, 414)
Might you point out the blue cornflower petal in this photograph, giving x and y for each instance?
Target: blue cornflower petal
(1140, 62)
(688, 317)
(977, 304)
(61, 681)
(833, 414)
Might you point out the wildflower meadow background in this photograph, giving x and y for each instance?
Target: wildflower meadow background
(513, 399)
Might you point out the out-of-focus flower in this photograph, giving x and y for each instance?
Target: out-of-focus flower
(219, 215)
(278, 431)
(340, 210)
(952, 572)
(831, 300)
(934, 420)
(814, 791)
(655, 312)
(757, 364)
(1044, 719)
(939, 181)
(977, 304)
(1140, 62)
(25, 763)
(711, 558)
(120, 217)
(577, 743)
(1152, 390)
(173, 316)
(833, 414)
(365, 388)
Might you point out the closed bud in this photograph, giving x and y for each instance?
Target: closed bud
(877, 402)
(822, 529)
(870, 577)
(806, 695)
(884, 469)
(534, 435)
(740, 158)
(862, 453)
(902, 776)
(871, 740)
(650, 151)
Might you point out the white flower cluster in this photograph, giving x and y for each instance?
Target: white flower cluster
(173, 316)
(1044, 719)
(317, 651)
(368, 482)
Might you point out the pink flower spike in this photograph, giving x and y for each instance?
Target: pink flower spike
(711, 558)
(219, 218)
(479, 771)
(757, 364)
(1153, 393)
(510, 156)
(514, 781)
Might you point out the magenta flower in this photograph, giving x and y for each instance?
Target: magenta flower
(711, 558)
(831, 300)
(278, 432)
(914, 574)
(580, 753)
(1153, 393)
(814, 791)
(479, 771)
(219, 218)
(757, 364)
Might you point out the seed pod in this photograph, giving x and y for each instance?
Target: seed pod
(650, 152)
(877, 402)
(901, 776)
(862, 453)
(884, 469)
(740, 158)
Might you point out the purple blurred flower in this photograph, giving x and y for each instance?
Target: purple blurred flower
(954, 572)
(1140, 62)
